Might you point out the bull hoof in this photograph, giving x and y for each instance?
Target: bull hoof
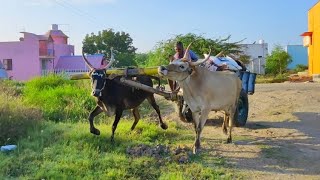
(196, 150)
(164, 126)
(229, 140)
(95, 131)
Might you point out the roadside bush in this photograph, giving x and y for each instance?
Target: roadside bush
(277, 61)
(15, 119)
(280, 78)
(59, 98)
(271, 79)
(11, 88)
(300, 68)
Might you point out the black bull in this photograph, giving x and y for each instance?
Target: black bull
(113, 98)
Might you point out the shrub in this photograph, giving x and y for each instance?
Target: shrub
(300, 68)
(277, 61)
(11, 88)
(15, 119)
(280, 78)
(272, 79)
(59, 98)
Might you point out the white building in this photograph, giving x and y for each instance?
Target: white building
(258, 53)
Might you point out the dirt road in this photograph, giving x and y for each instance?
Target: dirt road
(282, 137)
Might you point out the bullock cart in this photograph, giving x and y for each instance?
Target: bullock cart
(127, 75)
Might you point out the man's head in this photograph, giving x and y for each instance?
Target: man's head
(180, 69)
(179, 47)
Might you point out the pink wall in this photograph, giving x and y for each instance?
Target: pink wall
(27, 63)
(24, 55)
(25, 58)
(60, 40)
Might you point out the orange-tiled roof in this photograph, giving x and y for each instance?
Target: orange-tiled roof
(306, 34)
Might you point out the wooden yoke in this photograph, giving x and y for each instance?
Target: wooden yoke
(151, 71)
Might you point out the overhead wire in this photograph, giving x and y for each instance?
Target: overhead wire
(77, 11)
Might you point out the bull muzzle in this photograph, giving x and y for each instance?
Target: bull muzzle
(162, 70)
(96, 93)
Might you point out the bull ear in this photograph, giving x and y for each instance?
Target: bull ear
(87, 62)
(112, 60)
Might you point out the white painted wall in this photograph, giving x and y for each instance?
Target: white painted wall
(258, 53)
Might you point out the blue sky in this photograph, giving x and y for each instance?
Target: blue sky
(149, 21)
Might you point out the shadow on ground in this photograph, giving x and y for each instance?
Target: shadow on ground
(289, 147)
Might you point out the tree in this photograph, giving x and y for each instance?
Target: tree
(141, 59)
(245, 59)
(200, 45)
(102, 42)
(277, 61)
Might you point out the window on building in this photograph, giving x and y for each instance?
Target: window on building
(7, 63)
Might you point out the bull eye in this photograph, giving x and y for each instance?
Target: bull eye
(181, 66)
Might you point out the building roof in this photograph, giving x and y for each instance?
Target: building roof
(43, 37)
(39, 37)
(306, 34)
(314, 5)
(76, 62)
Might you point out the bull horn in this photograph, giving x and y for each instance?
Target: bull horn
(219, 54)
(200, 61)
(186, 56)
(112, 60)
(86, 61)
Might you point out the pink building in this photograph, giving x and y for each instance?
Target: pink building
(36, 55)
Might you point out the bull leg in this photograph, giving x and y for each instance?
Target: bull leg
(229, 139)
(136, 116)
(97, 110)
(227, 119)
(115, 123)
(201, 122)
(153, 103)
(224, 124)
(230, 118)
(196, 145)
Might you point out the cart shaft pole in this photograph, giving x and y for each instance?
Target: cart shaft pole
(167, 95)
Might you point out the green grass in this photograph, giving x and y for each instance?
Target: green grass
(46, 119)
(58, 98)
(274, 152)
(272, 79)
(15, 118)
(68, 150)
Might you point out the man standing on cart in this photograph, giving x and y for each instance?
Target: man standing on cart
(178, 55)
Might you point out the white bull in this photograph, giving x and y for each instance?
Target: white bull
(205, 91)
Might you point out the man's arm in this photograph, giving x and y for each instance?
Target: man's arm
(193, 56)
